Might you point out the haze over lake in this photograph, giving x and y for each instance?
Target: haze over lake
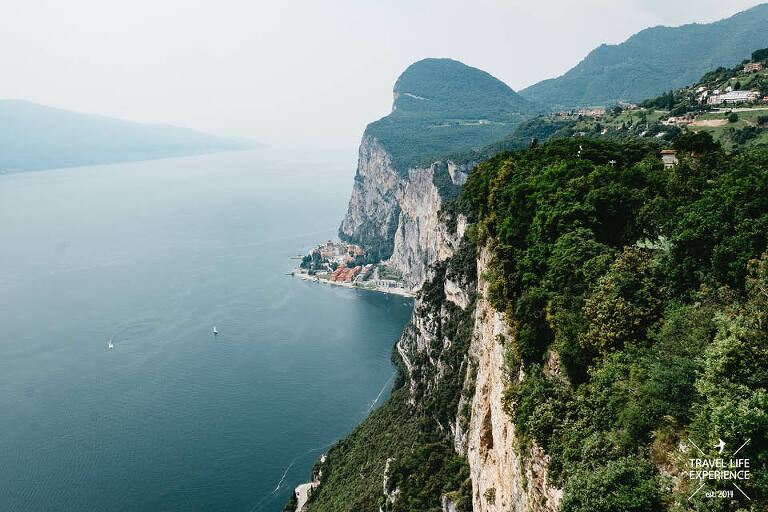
(153, 255)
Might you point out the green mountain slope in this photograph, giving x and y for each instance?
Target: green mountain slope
(650, 120)
(654, 60)
(443, 105)
(36, 137)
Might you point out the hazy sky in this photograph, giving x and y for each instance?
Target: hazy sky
(300, 73)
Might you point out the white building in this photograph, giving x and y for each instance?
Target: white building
(669, 157)
(733, 97)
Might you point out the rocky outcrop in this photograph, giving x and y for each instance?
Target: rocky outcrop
(448, 505)
(374, 207)
(502, 478)
(398, 217)
(421, 239)
(302, 492)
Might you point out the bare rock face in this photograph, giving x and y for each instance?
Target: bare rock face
(456, 293)
(421, 239)
(502, 479)
(399, 216)
(374, 207)
(448, 505)
(416, 237)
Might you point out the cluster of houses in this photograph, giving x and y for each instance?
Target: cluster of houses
(595, 113)
(344, 274)
(729, 95)
(338, 253)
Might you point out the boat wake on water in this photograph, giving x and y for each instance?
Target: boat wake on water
(262, 502)
(381, 392)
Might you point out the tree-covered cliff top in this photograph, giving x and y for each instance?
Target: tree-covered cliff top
(636, 298)
(654, 60)
(442, 105)
(647, 288)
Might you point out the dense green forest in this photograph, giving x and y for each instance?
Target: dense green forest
(652, 61)
(651, 285)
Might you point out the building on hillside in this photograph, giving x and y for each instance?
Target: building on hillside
(669, 157)
(733, 97)
(678, 121)
(597, 112)
(330, 250)
(752, 66)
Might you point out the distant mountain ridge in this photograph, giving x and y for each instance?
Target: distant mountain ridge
(653, 61)
(34, 137)
(441, 105)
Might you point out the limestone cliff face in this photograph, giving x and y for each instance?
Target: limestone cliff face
(502, 478)
(425, 334)
(421, 239)
(374, 208)
(397, 216)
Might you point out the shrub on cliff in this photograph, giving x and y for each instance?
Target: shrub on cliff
(627, 485)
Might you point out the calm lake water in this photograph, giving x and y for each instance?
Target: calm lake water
(154, 254)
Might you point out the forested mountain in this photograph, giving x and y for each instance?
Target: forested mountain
(35, 136)
(443, 105)
(653, 61)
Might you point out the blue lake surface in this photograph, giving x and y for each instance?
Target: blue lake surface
(154, 254)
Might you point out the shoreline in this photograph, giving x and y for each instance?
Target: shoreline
(392, 291)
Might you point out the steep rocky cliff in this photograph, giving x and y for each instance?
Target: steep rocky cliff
(396, 217)
(503, 479)
(396, 213)
(441, 106)
(374, 207)
(448, 400)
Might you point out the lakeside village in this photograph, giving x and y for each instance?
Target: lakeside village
(348, 265)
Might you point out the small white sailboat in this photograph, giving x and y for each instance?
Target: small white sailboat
(215, 332)
(110, 345)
